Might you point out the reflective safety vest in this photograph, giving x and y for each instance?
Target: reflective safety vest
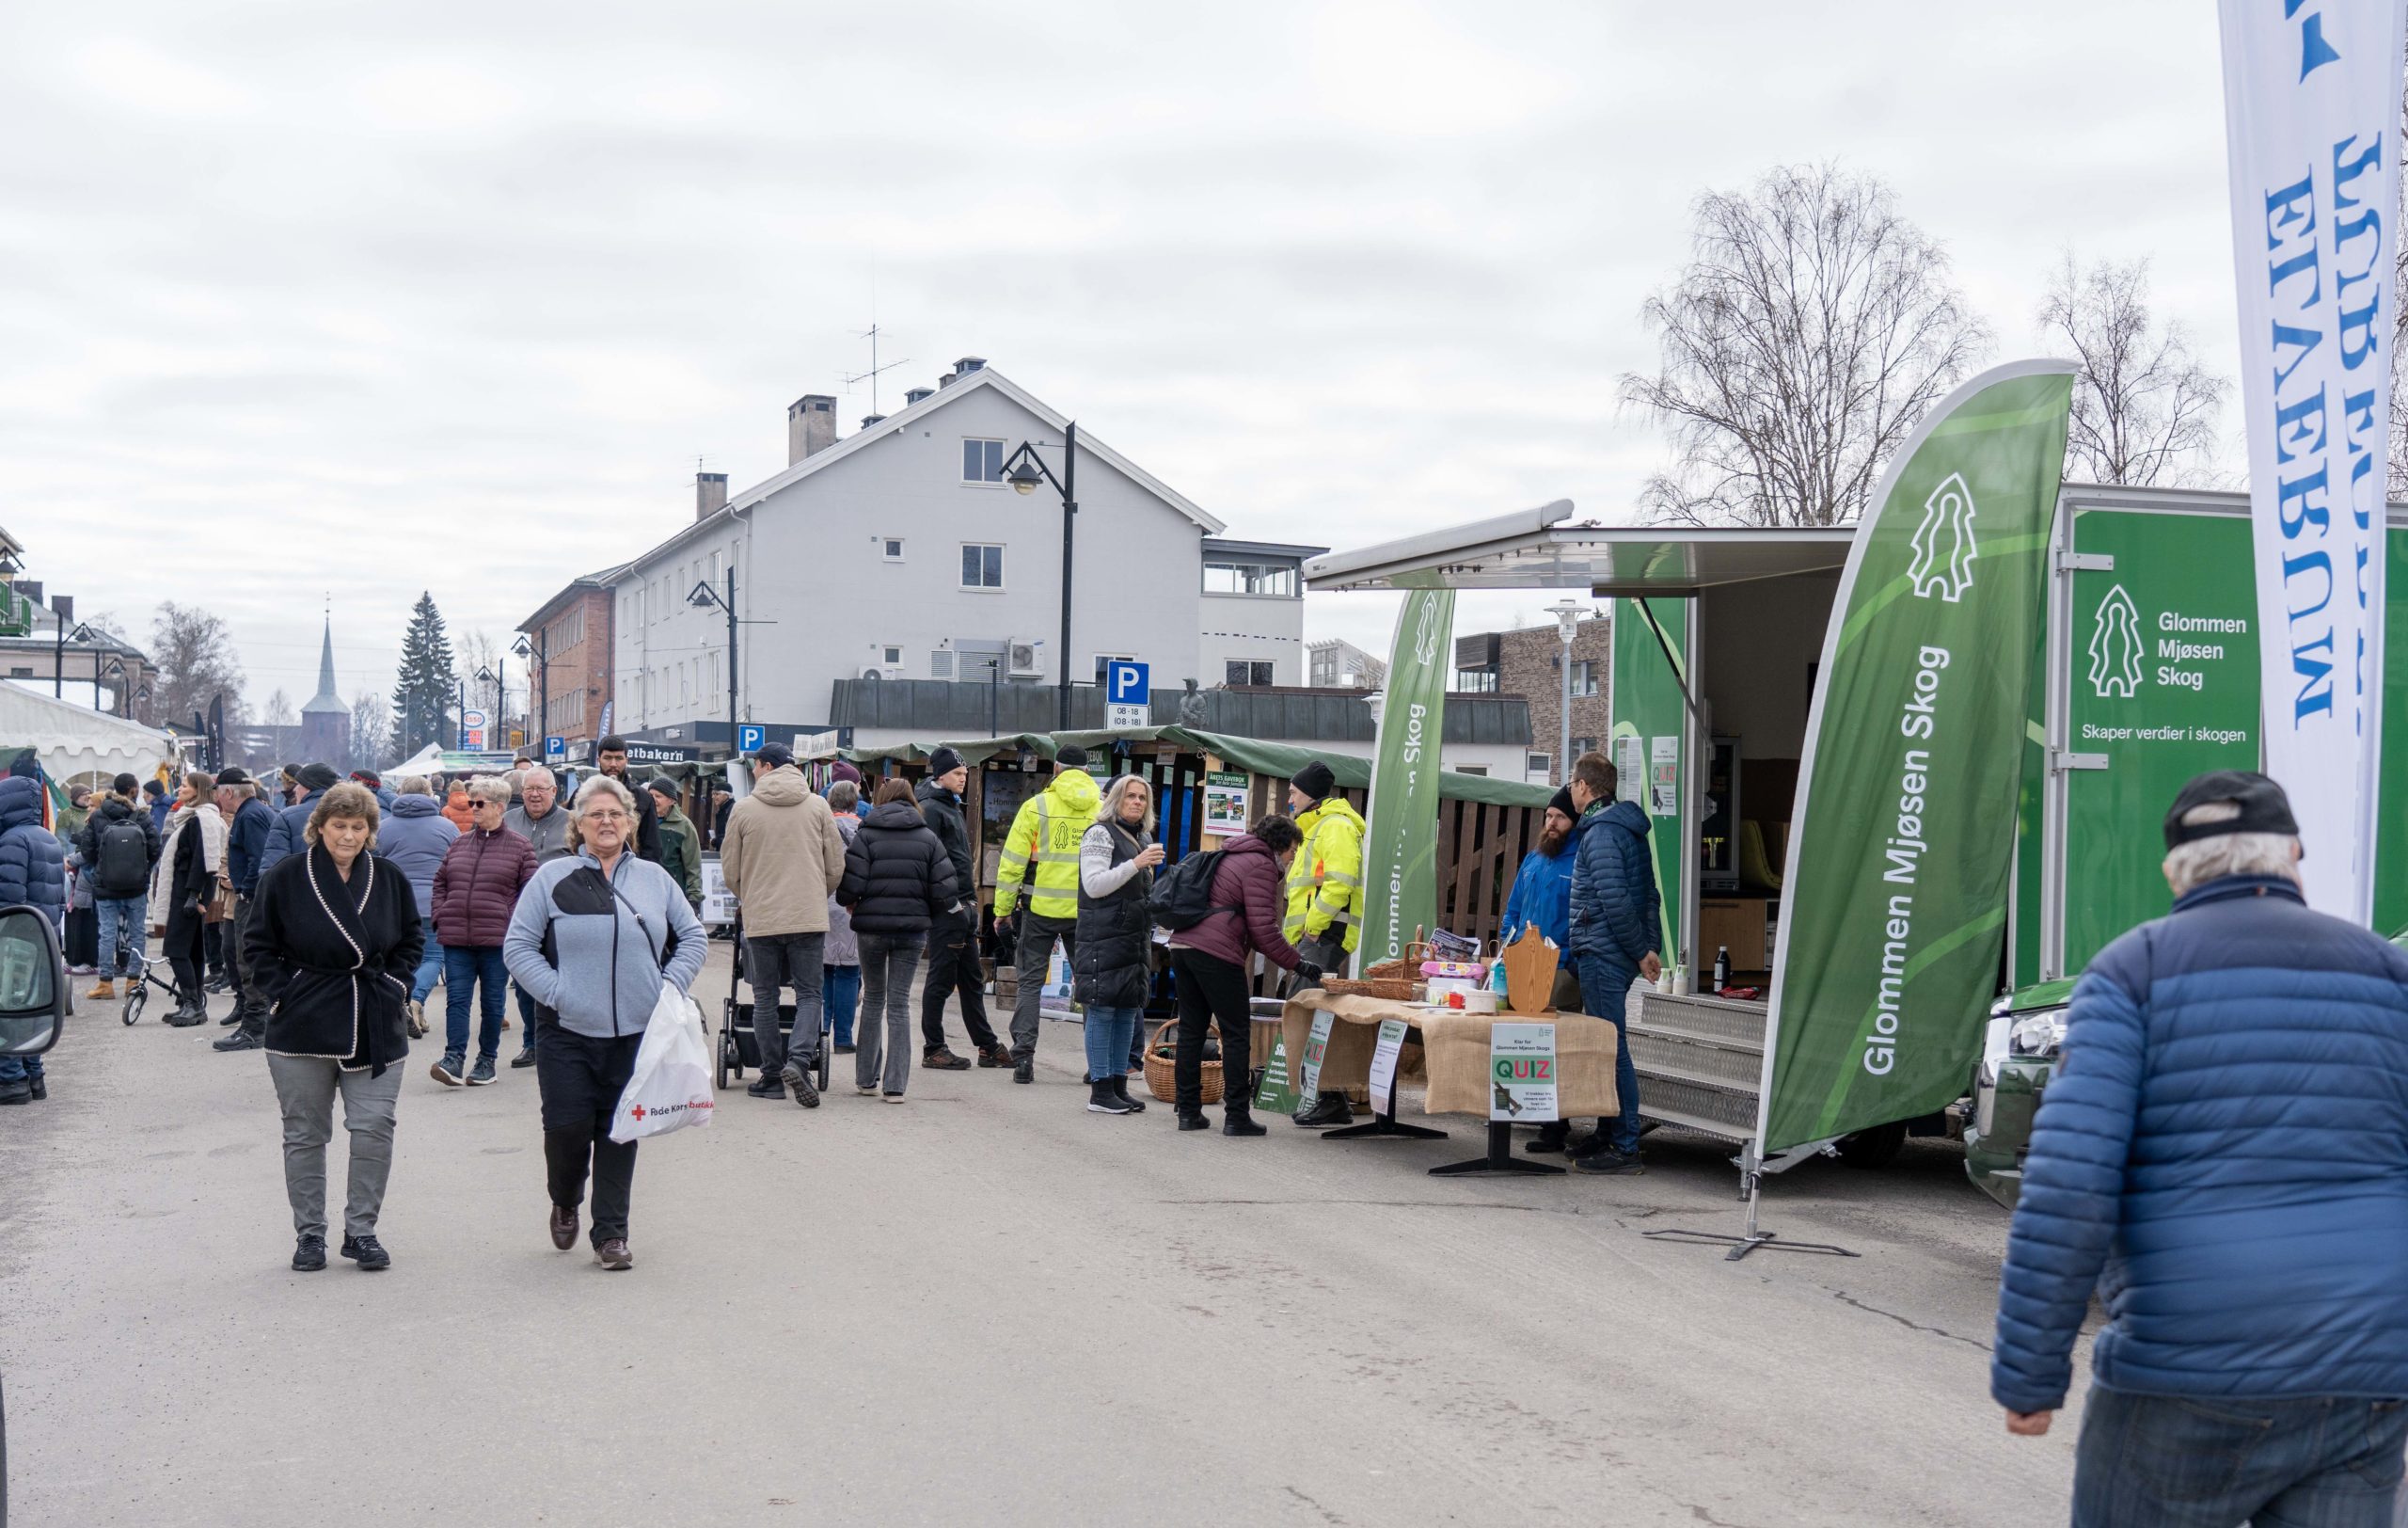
(1046, 831)
(1325, 881)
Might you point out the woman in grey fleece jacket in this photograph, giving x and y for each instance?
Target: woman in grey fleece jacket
(594, 939)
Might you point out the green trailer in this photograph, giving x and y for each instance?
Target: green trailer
(2147, 675)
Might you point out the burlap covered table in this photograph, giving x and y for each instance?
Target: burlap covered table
(1457, 1047)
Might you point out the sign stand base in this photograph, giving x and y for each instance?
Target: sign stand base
(1500, 1158)
(1742, 1245)
(1385, 1124)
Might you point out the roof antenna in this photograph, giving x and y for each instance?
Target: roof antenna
(871, 335)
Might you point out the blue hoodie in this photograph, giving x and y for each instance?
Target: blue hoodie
(33, 862)
(415, 835)
(1542, 894)
(1617, 914)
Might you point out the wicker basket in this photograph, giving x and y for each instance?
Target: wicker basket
(1407, 966)
(1161, 1075)
(1387, 989)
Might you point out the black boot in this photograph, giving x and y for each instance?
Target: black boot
(1103, 1100)
(1327, 1110)
(1237, 1119)
(1194, 1119)
(1121, 1091)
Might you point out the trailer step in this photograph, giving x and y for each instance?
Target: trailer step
(1701, 1062)
(1705, 1018)
(1675, 1119)
(1701, 1105)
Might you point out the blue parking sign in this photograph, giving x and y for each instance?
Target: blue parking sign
(1127, 683)
(555, 746)
(750, 736)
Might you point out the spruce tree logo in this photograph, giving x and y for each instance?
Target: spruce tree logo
(1943, 543)
(2115, 648)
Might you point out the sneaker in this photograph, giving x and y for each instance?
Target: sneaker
(797, 1076)
(240, 1040)
(845, 1047)
(869, 1091)
(1327, 1110)
(614, 1255)
(1024, 1071)
(308, 1254)
(1606, 1160)
(942, 1059)
(1103, 1100)
(367, 1253)
(894, 1098)
(82, 970)
(998, 1057)
(767, 1088)
(525, 1057)
(414, 1015)
(104, 989)
(449, 1069)
(482, 1072)
(1121, 1090)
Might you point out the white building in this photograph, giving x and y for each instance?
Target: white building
(900, 552)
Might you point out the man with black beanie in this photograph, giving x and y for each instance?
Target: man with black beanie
(1324, 894)
(952, 938)
(1041, 852)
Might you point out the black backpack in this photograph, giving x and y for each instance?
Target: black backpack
(1182, 895)
(124, 870)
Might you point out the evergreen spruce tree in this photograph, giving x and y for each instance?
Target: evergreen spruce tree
(423, 691)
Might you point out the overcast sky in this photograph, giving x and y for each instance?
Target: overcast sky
(356, 300)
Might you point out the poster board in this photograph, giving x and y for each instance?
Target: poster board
(1384, 1058)
(719, 903)
(1521, 1074)
(1225, 802)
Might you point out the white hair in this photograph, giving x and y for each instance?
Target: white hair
(527, 777)
(490, 788)
(415, 785)
(2202, 860)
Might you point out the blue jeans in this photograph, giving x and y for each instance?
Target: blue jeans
(526, 1018)
(429, 961)
(1605, 991)
(463, 966)
(121, 917)
(2163, 1461)
(840, 988)
(20, 1068)
(1112, 1034)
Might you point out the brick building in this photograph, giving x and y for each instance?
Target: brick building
(1529, 663)
(571, 640)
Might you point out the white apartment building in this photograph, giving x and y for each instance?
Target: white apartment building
(900, 552)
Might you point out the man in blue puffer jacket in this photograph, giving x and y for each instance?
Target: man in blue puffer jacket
(288, 835)
(2223, 1153)
(1617, 923)
(33, 872)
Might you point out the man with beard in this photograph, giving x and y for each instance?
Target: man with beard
(1542, 894)
(610, 757)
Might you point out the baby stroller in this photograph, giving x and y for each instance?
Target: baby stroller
(738, 1048)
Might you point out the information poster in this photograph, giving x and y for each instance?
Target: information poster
(1316, 1047)
(1383, 1059)
(1630, 766)
(719, 903)
(1225, 802)
(1521, 1074)
(1664, 776)
(1278, 1094)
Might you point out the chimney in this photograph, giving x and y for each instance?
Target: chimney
(710, 494)
(968, 364)
(868, 420)
(947, 380)
(811, 426)
(913, 395)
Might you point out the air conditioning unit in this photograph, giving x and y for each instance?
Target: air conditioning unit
(873, 672)
(1023, 661)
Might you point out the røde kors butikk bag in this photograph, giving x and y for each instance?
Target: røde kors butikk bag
(671, 1086)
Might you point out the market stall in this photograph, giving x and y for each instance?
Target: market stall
(74, 742)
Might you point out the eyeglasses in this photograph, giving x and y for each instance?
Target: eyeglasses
(599, 815)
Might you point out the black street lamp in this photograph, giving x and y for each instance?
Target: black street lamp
(115, 670)
(1024, 471)
(63, 605)
(486, 675)
(704, 597)
(539, 677)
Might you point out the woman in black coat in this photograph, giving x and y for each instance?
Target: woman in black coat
(898, 879)
(335, 939)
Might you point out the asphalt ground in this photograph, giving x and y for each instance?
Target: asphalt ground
(986, 1306)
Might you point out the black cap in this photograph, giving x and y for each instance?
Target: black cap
(2264, 808)
(1315, 780)
(943, 762)
(234, 774)
(775, 755)
(1070, 757)
(319, 777)
(152, 786)
(1561, 802)
(661, 785)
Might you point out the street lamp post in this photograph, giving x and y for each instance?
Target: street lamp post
(539, 678)
(483, 675)
(1025, 471)
(115, 670)
(1567, 623)
(704, 597)
(63, 610)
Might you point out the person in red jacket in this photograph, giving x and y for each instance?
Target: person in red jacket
(1210, 960)
(476, 889)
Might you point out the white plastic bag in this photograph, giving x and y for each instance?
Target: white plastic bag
(671, 1087)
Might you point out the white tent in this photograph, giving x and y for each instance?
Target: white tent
(427, 760)
(71, 739)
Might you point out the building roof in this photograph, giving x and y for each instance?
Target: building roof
(325, 702)
(584, 583)
(986, 376)
(1287, 551)
(1535, 549)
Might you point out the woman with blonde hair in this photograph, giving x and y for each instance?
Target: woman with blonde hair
(334, 939)
(1112, 964)
(192, 857)
(594, 937)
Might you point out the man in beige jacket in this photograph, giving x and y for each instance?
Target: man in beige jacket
(781, 859)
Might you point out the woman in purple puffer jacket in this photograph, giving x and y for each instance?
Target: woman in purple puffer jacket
(1210, 960)
(476, 891)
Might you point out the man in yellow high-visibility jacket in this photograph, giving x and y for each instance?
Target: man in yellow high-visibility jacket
(1324, 919)
(1045, 835)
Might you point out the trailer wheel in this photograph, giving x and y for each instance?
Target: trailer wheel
(1872, 1147)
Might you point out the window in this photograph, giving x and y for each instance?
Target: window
(1584, 677)
(21, 674)
(1476, 682)
(982, 566)
(982, 461)
(1250, 578)
(1238, 671)
(1535, 767)
(1583, 745)
(890, 548)
(891, 655)
(1102, 659)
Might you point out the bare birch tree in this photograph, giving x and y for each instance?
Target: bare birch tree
(2144, 408)
(1810, 331)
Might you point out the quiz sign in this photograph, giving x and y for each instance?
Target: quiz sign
(1521, 1074)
